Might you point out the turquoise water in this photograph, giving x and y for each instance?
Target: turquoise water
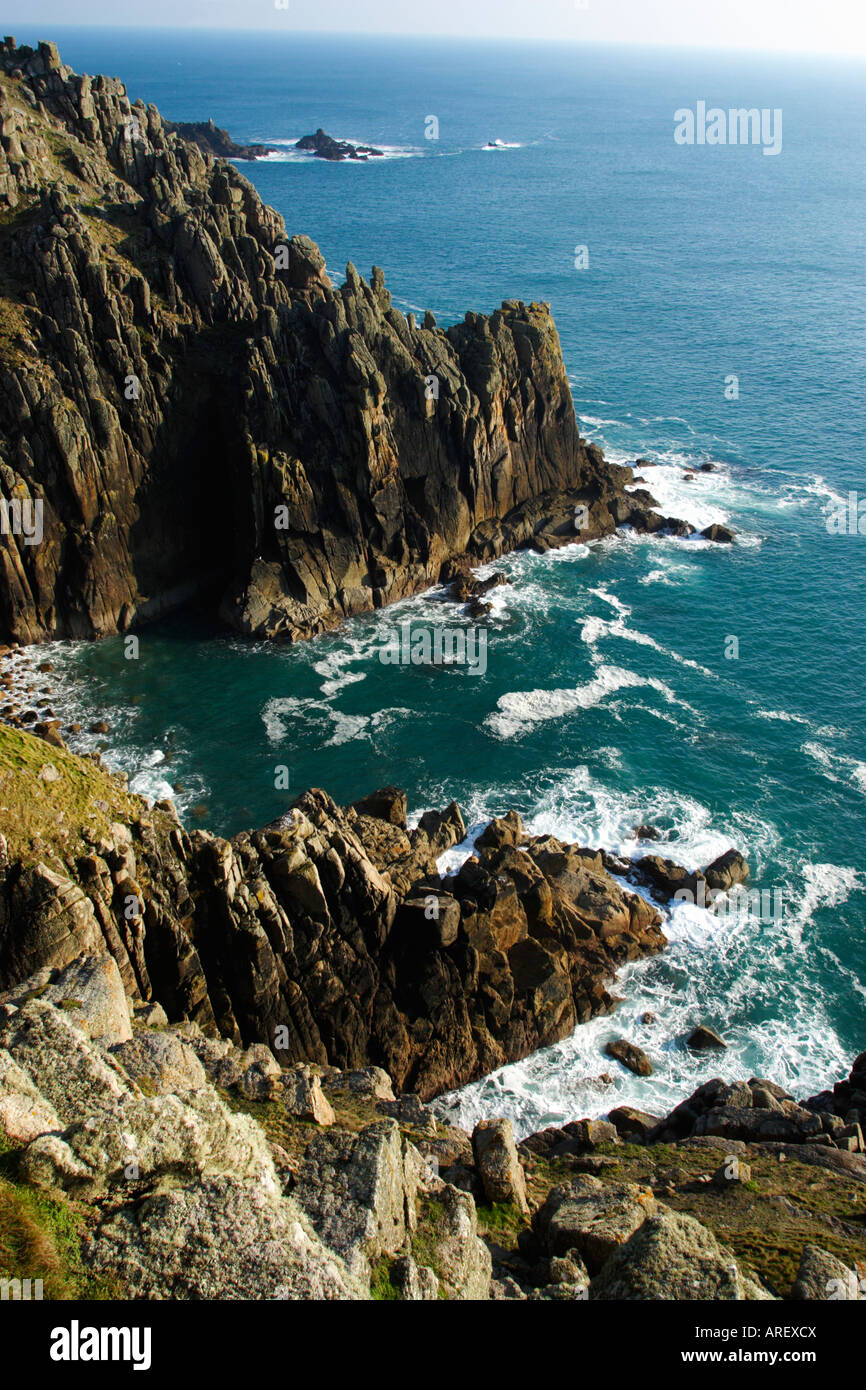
(608, 699)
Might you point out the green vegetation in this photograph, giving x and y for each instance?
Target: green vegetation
(765, 1221)
(381, 1287)
(41, 1237)
(502, 1220)
(426, 1237)
(46, 818)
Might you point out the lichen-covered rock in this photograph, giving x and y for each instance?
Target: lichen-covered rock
(159, 1062)
(91, 990)
(448, 1234)
(299, 1089)
(368, 1081)
(260, 1073)
(220, 1240)
(359, 1193)
(673, 1256)
(24, 1113)
(824, 1278)
(109, 1132)
(592, 1219)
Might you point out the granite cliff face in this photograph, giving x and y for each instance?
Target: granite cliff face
(200, 414)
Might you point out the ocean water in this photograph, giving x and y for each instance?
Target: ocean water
(612, 693)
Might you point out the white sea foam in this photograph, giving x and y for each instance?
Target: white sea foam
(725, 970)
(578, 807)
(521, 710)
(804, 492)
(595, 629)
(717, 970)
(671, 574)
(837, 767)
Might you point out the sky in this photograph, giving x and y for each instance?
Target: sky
(821, 26)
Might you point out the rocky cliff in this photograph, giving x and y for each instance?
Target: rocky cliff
(212, 139)
(142, 1160)
(329, 935)
(189, 408)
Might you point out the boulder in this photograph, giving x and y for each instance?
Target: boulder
(498, 1164)
(823, 1277)
(672, 1256)
(260, 1073)
(160, 1062)
(299, 1089)
(109, 1133)
(631, 1123)
(218, 1240)
(387, 804)
(368, 1081)
(703, 1038)
(630, 1055)
(729, 869)
(90, 990)
(591, 1218)
(448, 1226)
(443, 829)
(410, 1113)
(731, 1173)
(666, 878)
(588, 1134)
(24, 1113)
(507, 830)
(359, 1193)
(723, 535)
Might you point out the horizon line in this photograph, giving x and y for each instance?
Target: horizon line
(667, 45)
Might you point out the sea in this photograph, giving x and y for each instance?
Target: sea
(710, 303)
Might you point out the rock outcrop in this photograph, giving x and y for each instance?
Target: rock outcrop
(326, 147)
(174, 1172)
(212, 139)
(184, 1196)
(329, 935)
(189, 410)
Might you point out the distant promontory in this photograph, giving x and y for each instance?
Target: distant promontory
(211, 139)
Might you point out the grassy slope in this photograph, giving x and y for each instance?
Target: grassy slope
(45, 818)
(41, 1237)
